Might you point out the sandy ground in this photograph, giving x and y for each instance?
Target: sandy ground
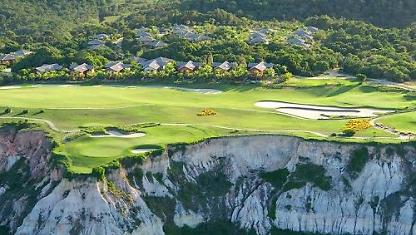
(139, 151)
(318, 112)
(202, 91)
(9, 87)
(117, 134)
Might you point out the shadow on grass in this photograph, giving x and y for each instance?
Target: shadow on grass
(342, 90)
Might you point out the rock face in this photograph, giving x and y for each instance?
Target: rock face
(24, 174)
(258, 183)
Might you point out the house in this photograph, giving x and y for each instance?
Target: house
(312, 29)
(264, 31)
(181, 30)
(303, 34)
(119, 41)
(163, 61)
(257, 38)
(22, 53)
(7, 59)
(155, 44)
(116, 66)
(151, 65)
(82, 68)
(195, 37)
(225, 66)
(146, 39)
(296, 41)
(48, 68)
(140, 60)
(158, 44)
(199, 38)
(95, 44)
(256, 69)
(187, 67)
(102, 36)
(154, 64)
(143, 34)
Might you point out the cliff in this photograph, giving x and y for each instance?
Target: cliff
(257, 184)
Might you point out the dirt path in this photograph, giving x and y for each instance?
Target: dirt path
(50, 124)
(391, 130)
(392, 84)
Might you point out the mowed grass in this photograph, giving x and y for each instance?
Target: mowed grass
(88, 152)
(404, 122)
(73, 107)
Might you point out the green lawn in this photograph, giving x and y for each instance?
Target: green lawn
(72, 107)
(404, 122)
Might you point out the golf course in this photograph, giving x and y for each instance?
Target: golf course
(149, 117)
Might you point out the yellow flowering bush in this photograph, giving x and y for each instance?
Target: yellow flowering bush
(358, 124)
(207, 112)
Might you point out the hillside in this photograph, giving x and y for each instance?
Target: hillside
(379, 12)
(31, 17)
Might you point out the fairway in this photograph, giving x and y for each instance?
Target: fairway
(66, 109)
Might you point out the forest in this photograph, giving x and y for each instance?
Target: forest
(379, 12)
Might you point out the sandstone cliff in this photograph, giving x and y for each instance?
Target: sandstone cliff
(257, 184)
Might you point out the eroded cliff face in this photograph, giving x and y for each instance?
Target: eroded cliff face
(25, 174)
(256, 183)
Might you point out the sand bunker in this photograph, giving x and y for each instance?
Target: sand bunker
(139, 151)
(119, 134)
(201, 91)
(319, 112)
(9, 87)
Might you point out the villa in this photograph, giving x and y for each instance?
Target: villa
(116, 66)
(7, 59)
(225, 66)
(303, 34)
(82, 68)
(48, 68)
(296, 41)
(154, 64)
(22, 53)
(256, 69)
(187, 67)
(95, 44)
(102, 36)
(258, 38)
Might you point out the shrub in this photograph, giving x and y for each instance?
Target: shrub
(99, 172)
(286, 77)
(207, 112)
(361, 77)
(7, 110)
(276, 178)
(358, 124)
(358, 160)
(348, 132)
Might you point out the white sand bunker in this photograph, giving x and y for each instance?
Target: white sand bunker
(139, 151)
(118, 134)
(9, 87)
(201, 91)
(319, 112)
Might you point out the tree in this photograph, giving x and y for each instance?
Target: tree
(269, 74)
(361, 77)
(286, 77)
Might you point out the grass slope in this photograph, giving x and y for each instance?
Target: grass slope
(72, 107)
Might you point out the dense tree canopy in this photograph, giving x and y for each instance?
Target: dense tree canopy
(379, 12)
(58, 32)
